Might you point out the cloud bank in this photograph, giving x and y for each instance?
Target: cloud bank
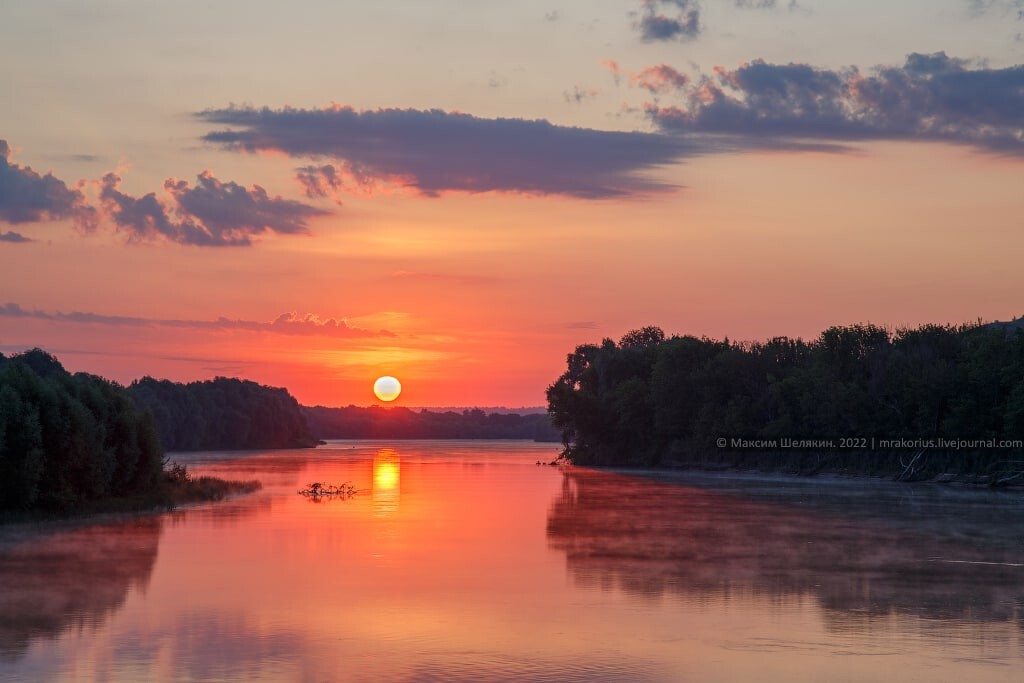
(286, 323)
(210, 214)
(27, 197)
(435, 151)
(929, 97)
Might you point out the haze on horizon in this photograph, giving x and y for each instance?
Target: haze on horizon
(457, 194)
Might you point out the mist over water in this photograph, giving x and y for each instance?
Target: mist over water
(466, 561)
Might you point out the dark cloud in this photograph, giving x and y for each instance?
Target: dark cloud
(286, 323)
(930, 97)
(16, 237)
(27, 197)
(210, 214)
(435, 151)
(669, 20)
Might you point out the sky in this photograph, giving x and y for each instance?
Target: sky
(459, 192)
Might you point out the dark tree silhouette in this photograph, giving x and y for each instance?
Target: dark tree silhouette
(652, 400)
(222, 414)
(68, 439)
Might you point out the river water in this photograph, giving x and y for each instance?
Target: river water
(466, 561)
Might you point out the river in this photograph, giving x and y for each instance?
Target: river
(467, 561)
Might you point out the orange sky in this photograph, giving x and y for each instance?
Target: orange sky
(471, 248)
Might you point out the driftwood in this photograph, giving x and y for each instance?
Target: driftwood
(318, 490)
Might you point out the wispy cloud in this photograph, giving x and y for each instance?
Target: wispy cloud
(659, 79)
(929, 97)
(210, 214)
(613, 68)
(1006, 8)
(332, 180)
(27, 197)
(435, 151)
(580, 94)
(286, 323)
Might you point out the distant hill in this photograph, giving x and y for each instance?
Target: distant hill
(376, 422)
(500, 410)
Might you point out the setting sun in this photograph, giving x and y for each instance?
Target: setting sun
(387, 388)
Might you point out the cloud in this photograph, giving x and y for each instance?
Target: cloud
(579, 94)
(15, 237)
(319, 181)
(930, 97)
(27, 197)
(286, 323)
(435, 151)
(659, 79)
(682, 22)
(1014, 8)
(332, 180)
(210, 214)
(614, 69)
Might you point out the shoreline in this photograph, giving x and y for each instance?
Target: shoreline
(172, 494)
(724, 474)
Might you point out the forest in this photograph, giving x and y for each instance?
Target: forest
(375, 422)
(66, 440)
(684, 401)
(222, 414)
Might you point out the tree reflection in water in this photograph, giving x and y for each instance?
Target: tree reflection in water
(647, 537)
(71, 579)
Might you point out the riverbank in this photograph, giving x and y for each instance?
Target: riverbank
(177, 487)
(718, 474)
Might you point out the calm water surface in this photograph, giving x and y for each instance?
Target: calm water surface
(465, 561)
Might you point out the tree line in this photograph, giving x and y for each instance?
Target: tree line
(651, 400)
(66, 440)
(222, 414)
(375, 422)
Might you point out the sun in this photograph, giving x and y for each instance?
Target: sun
(387, 388)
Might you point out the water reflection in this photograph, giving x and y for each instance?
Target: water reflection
(648, 538)
(387, 482)
(70, 579)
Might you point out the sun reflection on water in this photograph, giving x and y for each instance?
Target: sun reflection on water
(387, 482)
